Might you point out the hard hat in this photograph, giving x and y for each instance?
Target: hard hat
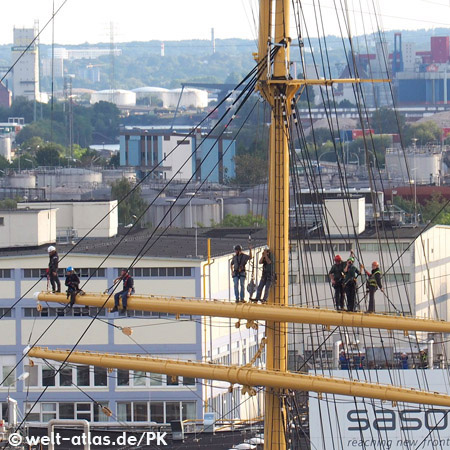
(351, 259)
(266, 247)
(337, 258)
(237, 248)
(70, 269)
(51, 249)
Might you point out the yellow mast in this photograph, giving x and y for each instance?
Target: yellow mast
(252, 312)
(278, 214)
(247, 376)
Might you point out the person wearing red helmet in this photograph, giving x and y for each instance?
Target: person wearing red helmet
(336, 275)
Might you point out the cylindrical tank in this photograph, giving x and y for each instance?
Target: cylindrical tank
(149, 92)
(119, 97)
(5, 147)
(68, 177)
(191, 98)
(21, 180)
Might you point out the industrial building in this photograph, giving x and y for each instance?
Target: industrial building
(25, 73)
(177, 154)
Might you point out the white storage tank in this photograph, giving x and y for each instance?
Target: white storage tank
(191, 98)
(5, 147)
(119, 97)
(21, 180)
(149, 92)
(68, 177)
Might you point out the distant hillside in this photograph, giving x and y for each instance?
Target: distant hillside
(141, 63)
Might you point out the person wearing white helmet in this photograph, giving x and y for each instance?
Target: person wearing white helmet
(53, 269)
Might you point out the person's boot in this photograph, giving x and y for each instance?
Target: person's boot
(115, 309)
(124, 310)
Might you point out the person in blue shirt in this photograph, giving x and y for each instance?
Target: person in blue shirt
(73, 285)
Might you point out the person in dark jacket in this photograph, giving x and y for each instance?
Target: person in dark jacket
(53, 269)
(127, 290)
(266, 278)
(343, 361)
(336, 275)
(351, 273)
(73, 285)
(373, 284)
(238, 272)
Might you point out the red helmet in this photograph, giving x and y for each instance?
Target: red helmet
(337, 259)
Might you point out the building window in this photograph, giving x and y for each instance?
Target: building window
(45, 411)
(65, 376)
(100, 376)
(123, 377)
(6, 312)
(157, 412)
(2, 221)
(83, 376)
(5, 273)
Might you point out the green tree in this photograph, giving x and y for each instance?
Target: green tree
(4, 164)
(434, 211)
(133, 206)
(115, 160)
(387, 121)
(45, 130)
(8, 203)
(27, 161)
(33, 144)
(249, 220)
(425, 133)
(50, 155)
(250, 170)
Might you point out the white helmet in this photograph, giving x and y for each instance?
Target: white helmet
(51, 249)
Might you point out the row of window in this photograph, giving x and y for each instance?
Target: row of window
(137, 272)
(80, 311)
(159, 412)
(45, 411)
(86, 376)
(321, 278)
(5, 273)
(44, 376)
(342, 247)
(89, 272)
(152, 272)
(363, 247)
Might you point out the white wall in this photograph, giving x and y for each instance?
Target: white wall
(27, 228)
(82, 216)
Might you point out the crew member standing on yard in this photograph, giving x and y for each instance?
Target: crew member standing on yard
(336, 275)
(238, 272)
(350, 275)
(373, 284)
(266, 277)
(127, 290)
(73, 285)
(53, 269)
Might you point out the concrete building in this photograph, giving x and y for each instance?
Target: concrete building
(180, 155)
(53, 177)
(415, 269)
(27, 228)
(5, 96)
(167, 268)
(25, 74)
(76, 219)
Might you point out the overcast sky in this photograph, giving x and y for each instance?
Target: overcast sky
(88, 20)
